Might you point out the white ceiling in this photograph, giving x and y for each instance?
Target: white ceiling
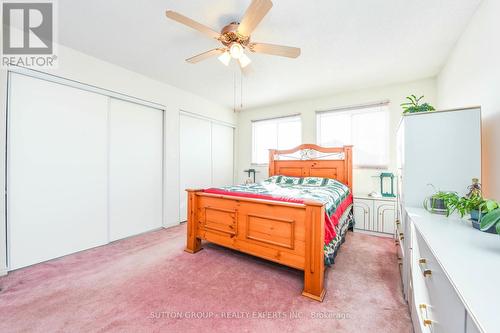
(346, 44)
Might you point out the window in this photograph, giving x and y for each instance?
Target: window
(365, 127)
(277, 133)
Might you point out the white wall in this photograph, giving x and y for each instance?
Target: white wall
(471, 76)
(363, 180)
(77, 66)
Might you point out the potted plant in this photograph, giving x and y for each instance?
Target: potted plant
(488, 217)
(491, 222)
(484, 213)
(439, 202)
(414, 106)
(475, 193)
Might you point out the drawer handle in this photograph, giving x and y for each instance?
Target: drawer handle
(425, 320)
(426, 272)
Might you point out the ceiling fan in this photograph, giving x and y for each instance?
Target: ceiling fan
(235, 37)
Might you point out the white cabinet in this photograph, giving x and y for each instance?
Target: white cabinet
(384, 212)
(433, 143)
(363, 214)
(443, 307)
(374, 214)
(448, 261)
(429, 145)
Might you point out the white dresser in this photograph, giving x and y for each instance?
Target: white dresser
(374, 214)
(453, 273)
(442, 148)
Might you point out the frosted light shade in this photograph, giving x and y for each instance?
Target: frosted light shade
(244, 60)
(236, 50)
(225, 58)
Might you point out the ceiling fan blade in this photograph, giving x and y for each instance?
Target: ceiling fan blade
(279, 50)
(254, 14)
(205, 55)
(192, 24)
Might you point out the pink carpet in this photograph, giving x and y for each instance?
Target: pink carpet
(148, 284)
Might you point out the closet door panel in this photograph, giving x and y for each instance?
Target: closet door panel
(57, 162)
(135, 169)
(222, 155)
(195, 157)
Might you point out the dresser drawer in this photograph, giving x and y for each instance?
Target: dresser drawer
(418, 297)
(444, 308)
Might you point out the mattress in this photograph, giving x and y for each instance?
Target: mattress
(333, 194)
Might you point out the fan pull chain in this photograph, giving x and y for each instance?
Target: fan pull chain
(234, 92)
(241, 91)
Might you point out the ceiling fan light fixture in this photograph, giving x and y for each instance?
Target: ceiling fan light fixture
(236, 50)
(244, 60)
(235, 37)
(225, 58)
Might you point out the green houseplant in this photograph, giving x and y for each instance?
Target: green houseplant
(491, 221)
(439, 202)
(487, 212)
(465, 205)
(488, 217)
(414, 106)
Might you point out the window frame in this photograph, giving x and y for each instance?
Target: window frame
(276, 120)
(355, 110)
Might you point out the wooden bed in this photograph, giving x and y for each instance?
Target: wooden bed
(288, 233)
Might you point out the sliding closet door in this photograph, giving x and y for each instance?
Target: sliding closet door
(222, 155)
(135, 168)
(56, 178)
(195, 157)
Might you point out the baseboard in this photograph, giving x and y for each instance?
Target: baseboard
(3, 271)
(373, 233)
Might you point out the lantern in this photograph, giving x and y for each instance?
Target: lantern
(384, 184)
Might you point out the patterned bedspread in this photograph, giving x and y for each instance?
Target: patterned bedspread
(335, 195)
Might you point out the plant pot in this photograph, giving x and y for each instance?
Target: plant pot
(435, 206)
(477, 225)
(475, 215)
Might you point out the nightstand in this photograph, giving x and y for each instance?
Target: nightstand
(375, 214)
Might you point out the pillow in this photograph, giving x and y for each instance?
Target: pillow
(337, 184)
(314, 181)
(289, 180)
(272, 180)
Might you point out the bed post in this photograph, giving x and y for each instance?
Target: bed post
(272, 152)
(314, 265)
(348, 165)
(193, 242)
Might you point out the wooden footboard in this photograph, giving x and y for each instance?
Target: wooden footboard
(291, 234)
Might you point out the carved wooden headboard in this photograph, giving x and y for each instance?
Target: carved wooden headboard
(309, 160)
